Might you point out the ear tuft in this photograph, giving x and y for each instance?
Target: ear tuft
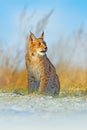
(42, 35)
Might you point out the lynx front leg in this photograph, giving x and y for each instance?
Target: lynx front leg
(31, 84)
(43, 84)
(31, 80)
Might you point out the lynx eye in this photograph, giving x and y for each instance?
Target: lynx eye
(39, 43)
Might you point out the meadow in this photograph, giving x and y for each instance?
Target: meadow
(67, 57)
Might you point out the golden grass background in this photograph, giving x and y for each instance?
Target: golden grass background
(73, 81)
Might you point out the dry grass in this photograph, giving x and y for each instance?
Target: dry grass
(73, 81)
(13, 81)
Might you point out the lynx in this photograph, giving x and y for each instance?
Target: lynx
(42, 75)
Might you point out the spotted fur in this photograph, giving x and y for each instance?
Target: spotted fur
(42, 75)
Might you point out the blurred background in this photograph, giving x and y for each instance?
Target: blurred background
(64, 23)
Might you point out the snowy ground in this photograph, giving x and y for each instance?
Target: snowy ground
(19, 112)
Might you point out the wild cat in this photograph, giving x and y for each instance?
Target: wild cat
(42, 75)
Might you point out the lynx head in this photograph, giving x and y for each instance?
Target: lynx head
(36, 46)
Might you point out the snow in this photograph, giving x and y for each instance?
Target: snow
(41, 112)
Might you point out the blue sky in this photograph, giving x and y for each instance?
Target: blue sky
(68, 15)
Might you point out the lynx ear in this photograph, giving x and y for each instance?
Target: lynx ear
(32, 37)
(42, 35)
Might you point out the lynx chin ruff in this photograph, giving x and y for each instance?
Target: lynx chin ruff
(42, 75)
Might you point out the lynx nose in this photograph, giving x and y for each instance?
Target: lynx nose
(46, 48)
